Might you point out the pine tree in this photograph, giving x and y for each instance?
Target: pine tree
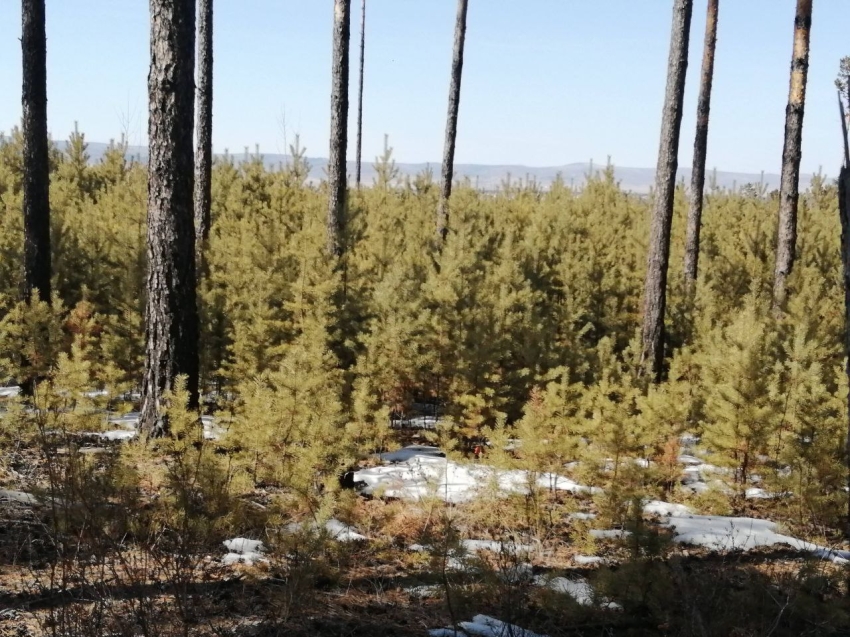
(172, 314)
(791, 153)
(337, 177)
(844, 215)
(700, 145)
(203, 153)
(360, 91)
(36, 173)
(451, 122)
(655, 288)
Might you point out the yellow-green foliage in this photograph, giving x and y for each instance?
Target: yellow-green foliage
(526, 318)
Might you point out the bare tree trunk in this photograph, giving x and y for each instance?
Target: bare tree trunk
(203, 152)
(360, 91)
(844, 216)
(789, 192)
(36, 177)
(655, 289)
(337, 177)
(700, 146)
(451, 122)
(172, 315)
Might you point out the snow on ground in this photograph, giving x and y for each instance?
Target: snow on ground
(657, 507)
(243, 551)
(335, 529)
(579, 589)
(609, 534)
(587, 560)
(418, 476)
(407, 453)
(720, 533)
(483, 626)
(10, 392)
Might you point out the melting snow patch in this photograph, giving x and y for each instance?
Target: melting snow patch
(580, 590)
(721, 533)
(243, 551)
(587, 560)
(609, 534)
(337, 530)
(117, 434)
(10, 392)
(483, 626)
(582, 516)
(420, 476)
(657, 507)
(406, 453)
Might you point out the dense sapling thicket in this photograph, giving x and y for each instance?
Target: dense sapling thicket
(523, 325)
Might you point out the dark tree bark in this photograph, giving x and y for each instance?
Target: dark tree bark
(844, 216)
(789, 192)
(700, 146)
(655, 289)
(337, 178)
(172, 314)
(451, 122)
(203, 152)
(36, 177)
(360, 91)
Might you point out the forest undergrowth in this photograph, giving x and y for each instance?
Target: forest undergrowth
(518, 336)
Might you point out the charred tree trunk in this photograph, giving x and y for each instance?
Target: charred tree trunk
(655, 289)
(337, 178)
(172, 315)
(451, 123)
(203, 153)
(700, 146)
(360, 91)
(789, 192)
(36, 177)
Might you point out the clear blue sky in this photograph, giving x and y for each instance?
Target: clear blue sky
(546, 82)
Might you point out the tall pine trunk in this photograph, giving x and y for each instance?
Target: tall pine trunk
(844, 217)
(451, 122)
(700, 146)
(655, 289)
(337, 178)
(172, 315)
(789, 187)
(203, 152)
(36, 177)
(360, 91)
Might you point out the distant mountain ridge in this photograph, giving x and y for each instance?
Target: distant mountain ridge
(490, 177)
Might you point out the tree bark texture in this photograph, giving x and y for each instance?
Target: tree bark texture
(451, 122)
(655, 289)
(789, 193)
(203, 152)
(172, 316)
(844, 212)
(36, 173)
(360, 91)
(337, 178)
(701, 146)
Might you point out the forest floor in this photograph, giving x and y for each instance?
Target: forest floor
(399, 566)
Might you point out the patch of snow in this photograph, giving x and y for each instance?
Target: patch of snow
(337, 530)
(582, 516)
(406, 453)
(657, 507)
(609, 534)
(243, 551)
(495, 546)
(10, 391)
(424, 592)
(580, 590)
(587, 560)
(212, 430)
(19, 497)
(688, 459)
(721, 533)
(484, 626)
(421, 476)
(117, 435)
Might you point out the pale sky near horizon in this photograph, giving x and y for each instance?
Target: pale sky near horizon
(545, 82)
